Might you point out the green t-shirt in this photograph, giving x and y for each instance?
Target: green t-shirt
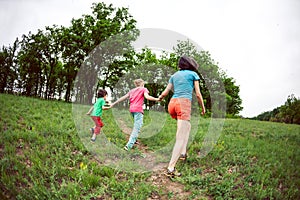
(98, 107)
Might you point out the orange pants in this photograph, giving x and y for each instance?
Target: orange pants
(180, 108)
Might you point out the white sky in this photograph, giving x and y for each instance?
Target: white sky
(257, 42)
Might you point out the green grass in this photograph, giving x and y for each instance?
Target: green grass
(45, 153)
(252, 160)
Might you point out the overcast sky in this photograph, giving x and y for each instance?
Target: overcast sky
(257, 42)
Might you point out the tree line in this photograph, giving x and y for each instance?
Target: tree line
(289, 112)
(48, 64)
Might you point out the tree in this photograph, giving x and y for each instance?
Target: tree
(8, 73)
(30, 80)
(85, 39)
(39, 60)
(290, 111)
(232, 96)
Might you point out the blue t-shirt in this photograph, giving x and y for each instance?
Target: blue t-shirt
(183, 83)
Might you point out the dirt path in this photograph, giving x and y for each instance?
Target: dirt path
(170, 187)
(125, 129)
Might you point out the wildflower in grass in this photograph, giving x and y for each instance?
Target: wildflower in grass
(83, 166)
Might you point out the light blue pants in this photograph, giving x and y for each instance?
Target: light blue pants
(138, 123)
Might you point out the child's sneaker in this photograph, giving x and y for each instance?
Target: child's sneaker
(183, 157)
(92, 130)
(173, 173)
(93, 139)
(137, 142)
(126, 148)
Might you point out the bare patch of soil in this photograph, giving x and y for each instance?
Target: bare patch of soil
(170, 187)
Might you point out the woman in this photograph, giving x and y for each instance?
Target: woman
(183, 82)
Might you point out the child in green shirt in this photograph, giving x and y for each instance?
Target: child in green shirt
(96, 113)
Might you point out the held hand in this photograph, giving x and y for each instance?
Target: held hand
(111, 105)
(156, 99)
(160, 98)
(106, 107)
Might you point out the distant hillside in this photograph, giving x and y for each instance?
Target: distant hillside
(289, 112)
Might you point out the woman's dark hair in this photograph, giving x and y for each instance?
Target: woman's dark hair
(101, 93)
(187, 63)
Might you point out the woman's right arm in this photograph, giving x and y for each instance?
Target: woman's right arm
(166, 91)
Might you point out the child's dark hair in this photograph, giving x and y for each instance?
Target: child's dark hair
(101, 93)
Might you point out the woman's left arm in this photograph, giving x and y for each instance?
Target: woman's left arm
(199, 96)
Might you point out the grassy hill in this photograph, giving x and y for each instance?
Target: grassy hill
(45, 153)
